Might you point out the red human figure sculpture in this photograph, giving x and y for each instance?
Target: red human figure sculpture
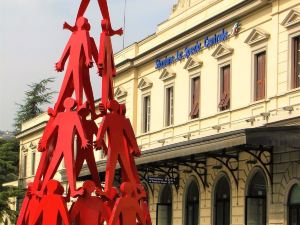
(79, 52)
(115, 125)
(88, 209)
(106, 63)
(127, 209)
(65, 124)
(87, 87)
(90, 129)
(52, 208)
(131, 145)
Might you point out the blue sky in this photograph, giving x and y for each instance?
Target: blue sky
(32, 40)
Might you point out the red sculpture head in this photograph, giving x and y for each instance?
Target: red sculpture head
(89, 187)
(69, 104)
(82, 23)
(113, 106)
(54, 187)
(126, 189)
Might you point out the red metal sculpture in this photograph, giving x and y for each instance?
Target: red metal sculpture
(44, 203)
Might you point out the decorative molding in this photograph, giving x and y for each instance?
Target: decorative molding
(167, 74)
(120, 93)
(221, 51)
(24, 149)
(144, 83)
(292, 18)
(32, 145)
(193, 63)
(257, 35)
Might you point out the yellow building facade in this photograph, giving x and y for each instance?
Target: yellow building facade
(214, 100)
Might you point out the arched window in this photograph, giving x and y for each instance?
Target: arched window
(192, 204)
(294, 206)
(222, 202)
(256, 208)
(164, 207)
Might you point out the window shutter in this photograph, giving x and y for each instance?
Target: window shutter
(260, 76)
(148, 113)
(195, 98)
(226, 72)
(295, 61)
(171, 106)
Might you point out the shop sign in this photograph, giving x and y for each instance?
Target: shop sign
(189, 51)
(162, 180)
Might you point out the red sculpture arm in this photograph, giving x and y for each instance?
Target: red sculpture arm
(94, 128)
(101, 132)
(47, 134)
(79, 127)
(94, 49)
(61, 63)
(130, 136)
(102, 51)
(87, 49)
(63, 211)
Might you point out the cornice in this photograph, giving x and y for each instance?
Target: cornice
(224, 18)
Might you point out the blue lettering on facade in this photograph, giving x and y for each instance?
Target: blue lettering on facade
(189, 51)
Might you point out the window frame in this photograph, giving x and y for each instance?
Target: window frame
(220, 73)
(168, 122)
(143, 130)
(192, 78)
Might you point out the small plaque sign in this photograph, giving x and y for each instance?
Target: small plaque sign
(162, 180)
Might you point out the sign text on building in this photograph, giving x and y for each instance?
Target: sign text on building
(161, 180)
(189, 51)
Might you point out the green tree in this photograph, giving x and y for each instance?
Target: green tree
(9, 161)
(38, 95)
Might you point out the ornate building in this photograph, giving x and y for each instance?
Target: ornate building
(214, 99)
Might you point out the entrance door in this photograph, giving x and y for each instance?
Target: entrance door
(294, 205)
(294, 215)
(222, 202)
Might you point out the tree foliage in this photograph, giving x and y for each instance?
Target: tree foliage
(9, 161)
(37, 95)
